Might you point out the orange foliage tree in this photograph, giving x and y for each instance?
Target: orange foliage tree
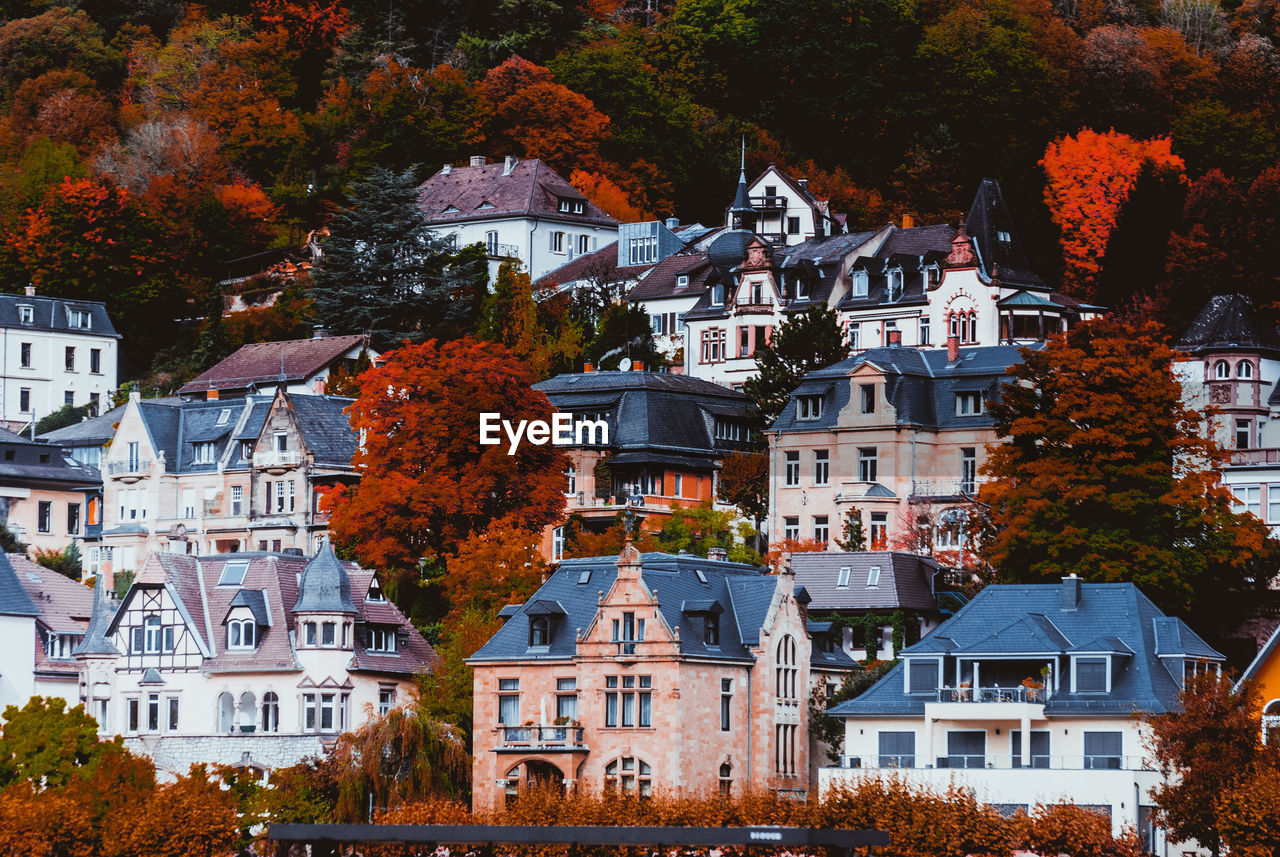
(193, 815)
(1089, 177)
(427, 482)
(604, 192)
(501, 565)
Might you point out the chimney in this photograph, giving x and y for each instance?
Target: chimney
(509, 164)
(31, 290)
(672, 222)
(804, 183)
(895, 337)
(318, 331)
(908, 222)
(211, 395)
(479, 160)
(446, 169)
(717, 554)
(1070, 592)
(953, 348)
(588, 367)
(638, 366)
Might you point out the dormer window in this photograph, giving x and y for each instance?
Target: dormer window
(241, 634)
(202, 453)
(26, 314)
(1090, 675)
(382, 640)
(969, 403)
(682, 281)
(802, 289)
(923, 675)
(933, 275)
(484, 206)
(893, 284)
(579, 207)
(564, 206)
(711, 630)
(860, 284)
(539, 631)
(1004, 237)
(717, 294)
(375, 592)
(808, 407)
(79, 319)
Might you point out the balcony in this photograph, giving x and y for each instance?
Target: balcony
(769, 203)
(503, 251)
(129, 472)
(277, 461)
(957, 487)
(518, 739)
(1033, 695)
(1254, 457)
(999, 762)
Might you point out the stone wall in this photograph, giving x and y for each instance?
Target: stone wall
(175, 754)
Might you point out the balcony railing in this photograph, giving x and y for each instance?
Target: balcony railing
(277, 458)
(945, 487)
(503, 251)
(999, 762)
(543, 737)
(1241, 457)
(138, 468)
(1035, 695)
(769, 203)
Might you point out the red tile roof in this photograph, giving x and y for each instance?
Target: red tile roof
(266, 362)
(476, 193)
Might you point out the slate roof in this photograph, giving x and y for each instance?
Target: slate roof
(653, 416)
(661, 281)
(1004, 260)
(14, 599)
(1030, 619)
(905, 580)
(325, 428)
(95, 641)
(271, 583)
(53, 314)
(920, 384)
(290, 361)
(43, 464)
(1229, 323)
(95, 431)
(532, 189)
(742, 590)
(325, 586)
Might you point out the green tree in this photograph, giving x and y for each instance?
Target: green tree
(509, 316)
(699, 528)
(66, 562)
(1107, 475)
(852, 538)
(624, 331)
(805, 342)
(67, 415)
(384, 272)
(45, 743)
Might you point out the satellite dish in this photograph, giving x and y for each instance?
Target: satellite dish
(624, 365)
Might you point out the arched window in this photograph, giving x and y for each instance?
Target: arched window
(953, 324)
(786, 671)
(247, 719)
(726, 779)
(241, 634)
(630, 775)
(1244, 369)
(270, 712)
(539, 631)
(973, 326)
(226, 712)
(1221, 370)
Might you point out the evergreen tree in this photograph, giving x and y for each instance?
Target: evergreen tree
(510, 316)
(804, 342)
(385, 273)
(624, 332)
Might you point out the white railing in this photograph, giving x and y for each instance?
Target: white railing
(544, 737)
(139, 467)
(277, 458)
(946, 487)
(998, 762)
(1036, 695)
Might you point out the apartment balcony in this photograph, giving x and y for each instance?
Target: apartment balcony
(129, 472)
(769, 203)
(1034, 695)
(503, 251)
(945, 488)
(277, 461)
(1254, 457)
(542, 739)
(998, 762)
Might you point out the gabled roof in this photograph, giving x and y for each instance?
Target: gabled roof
(1229, 323)
(53, 314)
(14, 600)
(95, 640)
(325, 428)
(661, 282)
(1031, 619)
(288, 361)
(531, 188)
(742, 591)
(64, 605)
(905, 580)
(1268, 651)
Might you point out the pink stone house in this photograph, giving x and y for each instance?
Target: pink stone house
(648, 673)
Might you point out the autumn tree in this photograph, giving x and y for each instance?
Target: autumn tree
(510, 316)
(804, 342)
(1214, 760)
(744, 482)
(192, 815)
(46, 743)
(500, 565)
(384, 272)
(852, 538)
(1089, 177)
(1107, 475)
(428, 483)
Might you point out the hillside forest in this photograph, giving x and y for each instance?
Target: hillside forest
(145, 143)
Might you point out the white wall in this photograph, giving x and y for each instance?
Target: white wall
(18, 642)
(47, 377)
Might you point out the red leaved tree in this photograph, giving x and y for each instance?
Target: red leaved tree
(427, 483)
(1089, 177)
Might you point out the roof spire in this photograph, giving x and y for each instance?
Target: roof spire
(742, 215)
(95, 640)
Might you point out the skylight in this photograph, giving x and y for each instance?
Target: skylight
(584, 577)
(233, 572)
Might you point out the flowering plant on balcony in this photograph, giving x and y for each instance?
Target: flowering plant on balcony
(1031, 684)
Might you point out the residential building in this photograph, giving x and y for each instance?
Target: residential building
(518, 210)
(787, 212)
(56, 352)
(297, 365)
(646, 441)
(221, 476)
(899, 434)
(47, 500)
(255, 659)
(909, 285)
(647, 672)
(1030, 694)
(1264, 673)
(887, 585)
(63, 607)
